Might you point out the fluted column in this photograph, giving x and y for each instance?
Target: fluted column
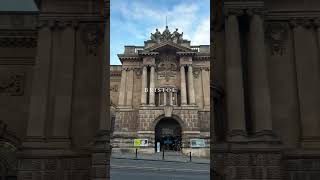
(259, 86)
(122, 93)
(191, 96)
(63, 72)
(205, 87)
(183, 85)
(152, 86)
(234, 79)
(129, 89)
(144, 86)
(308, 81)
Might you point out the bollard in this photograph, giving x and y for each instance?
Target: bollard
(163, 154)
(136, 153)
(190, 157)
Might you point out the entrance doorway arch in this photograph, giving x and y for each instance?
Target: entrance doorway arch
(168, 132)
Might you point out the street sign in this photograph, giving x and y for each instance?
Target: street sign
(140, 142)
(197, 143)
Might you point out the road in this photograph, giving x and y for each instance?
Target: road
(128, 169)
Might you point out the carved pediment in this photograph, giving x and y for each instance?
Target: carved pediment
(168, 45)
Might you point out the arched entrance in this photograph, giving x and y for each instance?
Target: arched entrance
(168, 134)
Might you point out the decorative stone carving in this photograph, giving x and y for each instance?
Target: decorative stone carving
(18, 39)
(168, 111)
(92, 36)
(12, 84)
(166, 36)
(277, 36)
(306, 23)
(231, 11)
(138, 72)
(114, 88)
(257, 11)
(196, 72)
(166, 69)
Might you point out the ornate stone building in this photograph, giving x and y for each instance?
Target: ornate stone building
(162, 89)
(265, 83)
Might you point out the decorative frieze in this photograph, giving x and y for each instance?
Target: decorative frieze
(92, 36)
(18, 39)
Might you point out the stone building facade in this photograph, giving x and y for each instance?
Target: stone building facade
(167, 79)
(264, 121)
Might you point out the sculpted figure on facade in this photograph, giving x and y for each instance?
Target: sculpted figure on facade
(176, 36)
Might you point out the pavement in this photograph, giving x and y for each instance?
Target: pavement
(151, 167)
(168, 156)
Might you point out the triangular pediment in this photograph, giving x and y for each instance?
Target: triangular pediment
(167, 45)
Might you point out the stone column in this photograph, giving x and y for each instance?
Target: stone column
(191, 96)
(183, 85)
(171, 103)
(63, 71)
(234, 79)
(308, 80)
(206, 87)
(317, 23)
(152, 86)
(164, 98)
(259, 87)
(129, 90)
(122, 93)
(144, 85)
(39, 93)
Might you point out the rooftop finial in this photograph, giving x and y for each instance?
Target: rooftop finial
(166, 22)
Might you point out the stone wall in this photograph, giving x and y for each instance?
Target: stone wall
(126, 121)
(52, 168)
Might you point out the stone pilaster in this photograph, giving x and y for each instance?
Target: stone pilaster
(259, 87)
(308, 80)
(152, 86)
(191, 95)
(63, 72)
(129, 89)
(144, 85)
(234, 79)
(39, 93)
(122, 93)
(183, 85)
(317, 23)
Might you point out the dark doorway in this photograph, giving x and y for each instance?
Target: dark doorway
(168, 133)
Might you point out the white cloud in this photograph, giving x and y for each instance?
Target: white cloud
(202, 33)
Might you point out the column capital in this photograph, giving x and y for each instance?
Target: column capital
(257, 11)
(295, 23)
(317, 23)
(233, 12)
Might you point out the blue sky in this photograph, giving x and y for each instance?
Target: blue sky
(132, 21)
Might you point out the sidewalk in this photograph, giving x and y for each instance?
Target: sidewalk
(168, 156)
